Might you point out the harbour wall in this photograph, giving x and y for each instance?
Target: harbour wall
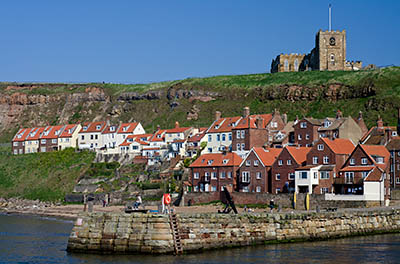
(120, 233)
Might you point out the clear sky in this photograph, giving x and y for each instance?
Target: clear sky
(132, 41)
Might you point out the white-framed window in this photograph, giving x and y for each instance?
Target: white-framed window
(315, 160)
(364, 174)
(209, 138)
(352, 161)
(210, 162)
(223, 137)
(274, 124)
(299, 136)
(242, 133)
(196, 188)
(289, 162)
(307, 136)
(364, 161)
(291, 176)
(15, 151)
(398, 180)
(379, 160)
(229, 174)
(196, 175)
(238, 146)
(278, 176)
(83, 137)
(222, 175)
(218, 137)
(320, 147)
(245, 189)
(256, 163)
(325, 160)
(206, 176)
(248, 162)
(238, 134)
(98, 127)
(258, 189)
(278, 190)
(15, 144)
(303, 125)
(230, 136)
(213, 188)
(54, 141)
(280, 162)
(324, 175)
(315, 175)
(324, 190)
(258, 175)
(213, 175)
(245, 176)
(43, 141)
(349, 176)
(225, 161)
(243, 146)
(303, 175)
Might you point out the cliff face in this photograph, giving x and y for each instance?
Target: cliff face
(194, 101)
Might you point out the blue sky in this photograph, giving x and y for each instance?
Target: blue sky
(146, 41)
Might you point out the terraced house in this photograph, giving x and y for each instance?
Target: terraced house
(69, 136)
(18, 142)
(48, 140)
(32, 140)
(89, 136)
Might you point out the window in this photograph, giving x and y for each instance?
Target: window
(349, 176)
(238, 134)
(210, 150)
(289, 162)
(213, 188)
(291, 176)
(97, 136)
(379, 160)
(196, 175)
(303, 175)
(98, 127)
(364, 174)
(274, 124)
(325, 160)
(245, 189)
(242, 133)
(15, 152)
(303, 125)
(286, 65)
(43, 149)
(245, 176)
(398, 180)
(218, 137)
(209, 162)
(278, 176)
(84, 128)
(54, 141)
(258, 175)
(43, 141)
(307, 136)
(352, 161)
(364, 161)
(332, 58)
(243, 146)
(299, 136)
(315, 175)
(196, 188)
(229, 174)
(209, 138)
(280, 162)
(296, 65)
(320, 146)
(315, 160)
(324, 175)
(222, 175)
(258, 189)
(238, 146)
(256, 163)
(223, 137)
(230, 136)
(91, 137)
(15, 144)
(278, 190)
(248, 162)
(206, 176)
(225, 161)
(213, 175)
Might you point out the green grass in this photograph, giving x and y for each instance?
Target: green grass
(44, 176)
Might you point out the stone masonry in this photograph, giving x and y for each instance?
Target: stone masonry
(122, 233)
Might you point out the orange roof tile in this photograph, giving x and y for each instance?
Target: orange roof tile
(51, 132)
(374, 175)
(177, 130)
(22, 134)
(224, 124)
(298, 153)
(92, 127)
(66, 132)
(110, 129)
(217, 160)
(340, 145)
(267, 156)
(35, 133)
(158, 136)
(377, 150)
(250, 121)
(357, 168)
(125, 128)
(197, 137)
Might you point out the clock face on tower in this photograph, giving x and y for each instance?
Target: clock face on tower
(332, 41)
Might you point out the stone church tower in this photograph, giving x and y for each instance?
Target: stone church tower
(330, 51)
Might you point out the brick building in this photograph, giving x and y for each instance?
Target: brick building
(18, 142)
(283, 169)
(393, 146)
(306, 131)
(254, 174)
(48, 140)
(213, 171)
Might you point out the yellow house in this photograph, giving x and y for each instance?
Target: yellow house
(32, 140)
(69, 137)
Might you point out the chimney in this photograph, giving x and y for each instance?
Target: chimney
(259, 122)
(379, 123)
(398, 122)
(108, 122)
(360, 115)
(339, 114)
(176, 124)
(246, 111)
(296, 120)
(284, 118)
(276, 112)
(158, 127)
(217, 115)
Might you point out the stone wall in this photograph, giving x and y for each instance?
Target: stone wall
(284, 200)
(151, 233)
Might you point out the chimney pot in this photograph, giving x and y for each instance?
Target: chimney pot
(379, 123)
(246, 111)
(176, 124)
(284, 117)
(217, 115)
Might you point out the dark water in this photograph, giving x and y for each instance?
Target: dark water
(25, 239)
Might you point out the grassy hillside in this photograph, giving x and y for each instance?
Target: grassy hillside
(44, 176)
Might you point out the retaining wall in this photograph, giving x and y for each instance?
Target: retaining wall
(151, 233)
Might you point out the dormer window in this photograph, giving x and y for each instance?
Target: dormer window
(303, 125)
(327, 123)
(210, 162)
(84, 128)
(112, 128)
(125, 129)
(69, 131)
(19, 136)
(320, 147)
(216, 126)
(225, 161)
(379, 160)
(57, 132)
(98, 127)
(158, 136)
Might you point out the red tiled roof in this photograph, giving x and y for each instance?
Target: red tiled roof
(298, 153)
(377, 150)
(35, 133)
(129, 128)
(135, 138)
(155, 137)
(224, 124)
(110, 129)
(65, 133)
(374, 175)
(357, 168)
(340, 145)
(197, 137)
(230, 158)
(50, 132)
(92, 127)
(250, 121)
(177, 130)
(267, 156)
(22, 134)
